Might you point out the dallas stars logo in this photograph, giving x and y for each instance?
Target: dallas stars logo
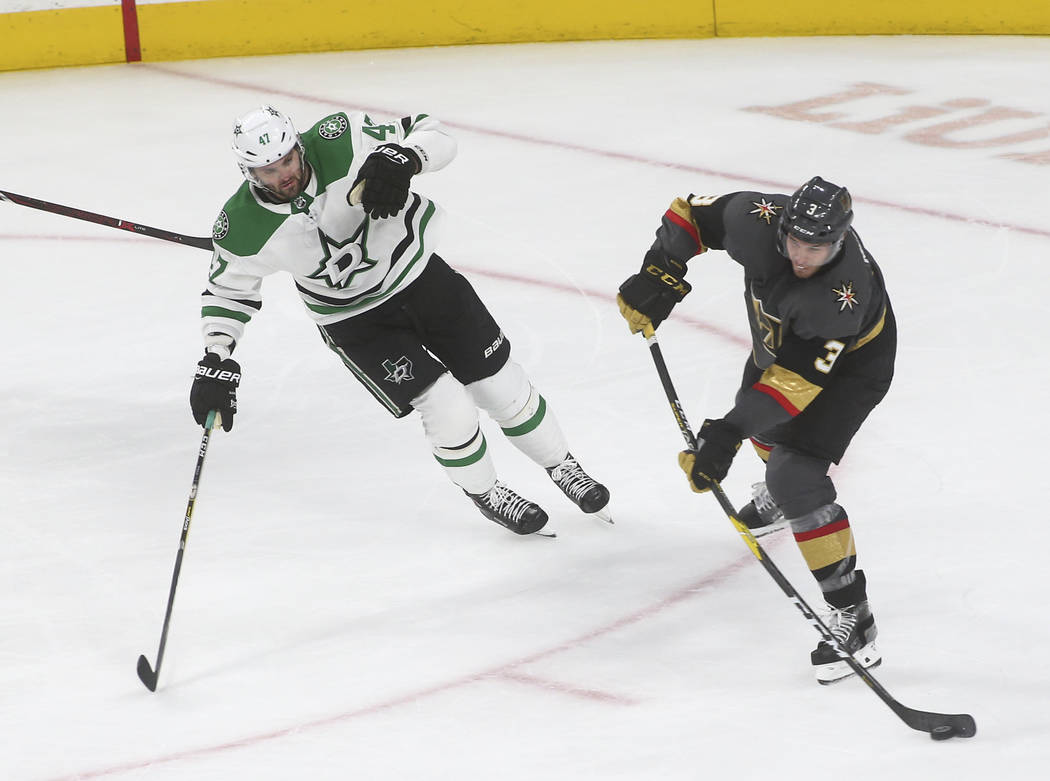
(338, 269)
(845, 296)
(333, 127)
(398, 371)
(765, 210)
(221, 226)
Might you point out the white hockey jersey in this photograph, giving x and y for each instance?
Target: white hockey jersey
(343, 261)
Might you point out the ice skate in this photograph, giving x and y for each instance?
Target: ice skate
(505, 507)
(590, 496)
(854, 627)
(761, 515)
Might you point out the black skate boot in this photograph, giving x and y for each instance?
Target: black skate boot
(502, 505)
(761, 515)
(589, 495)
(853, 626)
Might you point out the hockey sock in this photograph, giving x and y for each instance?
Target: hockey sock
(450, 422)
(509, 399)
(826, 541)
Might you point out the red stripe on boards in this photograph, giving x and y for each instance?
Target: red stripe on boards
(132, 47)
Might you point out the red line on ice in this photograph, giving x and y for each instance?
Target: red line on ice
(952, 216)
(508, 671)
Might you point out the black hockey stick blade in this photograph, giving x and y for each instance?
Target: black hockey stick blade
(959, 725)
(146, 674)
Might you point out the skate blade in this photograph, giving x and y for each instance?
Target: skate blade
(848, 674)
(603, 515)
(773, 528)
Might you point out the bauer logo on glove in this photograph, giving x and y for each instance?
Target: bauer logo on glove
(215, 388)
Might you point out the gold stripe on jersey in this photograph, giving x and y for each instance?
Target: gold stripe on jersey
(680, 206)
(791, 391)
(874, 331)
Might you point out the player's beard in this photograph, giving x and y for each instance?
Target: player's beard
(290, 188)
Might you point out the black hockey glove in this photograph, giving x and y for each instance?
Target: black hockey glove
(647, 298)
(215, 388)
(709, 464)
(385, 175)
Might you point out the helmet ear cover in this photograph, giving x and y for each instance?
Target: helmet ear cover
(819, 212)
(263, 136)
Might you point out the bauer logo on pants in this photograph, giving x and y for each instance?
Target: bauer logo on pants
(398, 371)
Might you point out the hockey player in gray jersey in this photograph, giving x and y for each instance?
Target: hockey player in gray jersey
(333, 208)
(824, 345)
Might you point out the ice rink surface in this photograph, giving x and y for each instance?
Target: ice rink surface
(343, 611)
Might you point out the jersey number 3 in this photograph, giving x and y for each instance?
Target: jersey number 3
(834, 350)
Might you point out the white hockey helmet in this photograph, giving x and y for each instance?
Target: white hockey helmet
(262, 136)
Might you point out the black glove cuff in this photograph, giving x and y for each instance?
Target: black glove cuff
(410, 156)
(720, 434)
(659, 259)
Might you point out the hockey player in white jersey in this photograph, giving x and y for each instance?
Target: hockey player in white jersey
(333, 208)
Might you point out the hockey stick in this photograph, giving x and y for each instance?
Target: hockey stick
(148, 675)
(200, 242)
(940, 726)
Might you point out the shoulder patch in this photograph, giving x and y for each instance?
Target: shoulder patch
(243, 226)
(332, 127)
(845, 296)
(765, 210)
(221, 226)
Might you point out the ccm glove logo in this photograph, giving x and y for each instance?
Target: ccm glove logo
(222, 375)
(676, 284)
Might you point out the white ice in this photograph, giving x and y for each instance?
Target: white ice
(343, 611)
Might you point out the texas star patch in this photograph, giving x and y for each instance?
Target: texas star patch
(765, 210)
(221, 226)
(844, 296)
(332, 127)
(398, 371)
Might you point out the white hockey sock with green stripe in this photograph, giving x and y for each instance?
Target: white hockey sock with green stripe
(450, 422)
(468, 465)
(536, 433)
(510, 400)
